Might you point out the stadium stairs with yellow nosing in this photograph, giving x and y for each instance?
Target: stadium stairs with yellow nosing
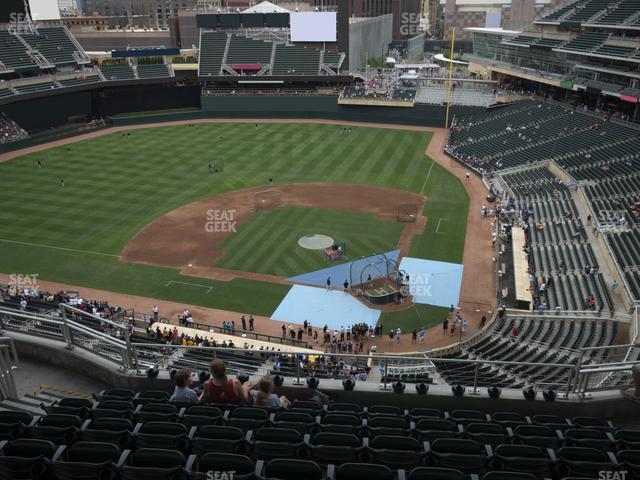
(32, 403)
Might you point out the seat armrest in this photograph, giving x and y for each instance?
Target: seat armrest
(528, 420)
(365, 442)
(560, 435)
(331, 471)
(192, 432)
(307, 438)
(85, 425)
(427, 446)
(401, 474)
(182, 412)
(3, 444)
(58, 453)
(259, 467)
(489, 450)
(509, 432)
(137, 428)
(123, 457)
(613, 458)
(191, 460)
(474, 476)
(552, 454)
(248, 436)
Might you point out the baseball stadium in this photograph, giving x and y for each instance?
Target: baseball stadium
(279, 240)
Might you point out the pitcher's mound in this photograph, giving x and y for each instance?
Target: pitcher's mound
(315, 241)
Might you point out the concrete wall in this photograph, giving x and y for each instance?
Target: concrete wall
(415, 47)
(368, 37)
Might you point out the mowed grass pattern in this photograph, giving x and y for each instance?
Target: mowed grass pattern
(268, 241)
(115, 186)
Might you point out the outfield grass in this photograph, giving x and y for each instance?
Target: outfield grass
(268, 241)
(417, 316)
(116, 186)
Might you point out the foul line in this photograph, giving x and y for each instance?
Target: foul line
(192, 284)
(59, 248)
(427, 179)
(438, 226)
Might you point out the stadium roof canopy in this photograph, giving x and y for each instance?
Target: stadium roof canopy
(492, 31)
(266, 7)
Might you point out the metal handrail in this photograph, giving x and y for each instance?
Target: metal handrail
(576, 380)
(8, 364)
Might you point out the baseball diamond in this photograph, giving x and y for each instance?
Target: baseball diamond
(319, 240)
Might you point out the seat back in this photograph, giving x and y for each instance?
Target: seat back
(435, 473)
(289, 469)
(26, 458)
(214, 438)
(60, 420)
(349, 471)
(225, 462)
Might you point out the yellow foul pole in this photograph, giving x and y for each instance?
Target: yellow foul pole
(453, 36)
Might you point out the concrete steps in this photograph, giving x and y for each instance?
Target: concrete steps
(32, 402)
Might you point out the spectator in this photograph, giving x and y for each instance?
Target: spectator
(264, 396)
(183, 391)
(10, 131)
(221, 389)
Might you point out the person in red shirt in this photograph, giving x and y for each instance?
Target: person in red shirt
(221, 389)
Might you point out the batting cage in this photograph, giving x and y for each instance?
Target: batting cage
(407, 213)
(374, 278)
(267, 200)
(369, 268)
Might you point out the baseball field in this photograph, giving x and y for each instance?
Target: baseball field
(115, 185)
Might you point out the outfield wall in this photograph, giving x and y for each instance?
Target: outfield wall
(306, 108)
(325, 107)
(43, 114)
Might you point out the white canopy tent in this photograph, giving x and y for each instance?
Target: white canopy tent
(265, 7)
